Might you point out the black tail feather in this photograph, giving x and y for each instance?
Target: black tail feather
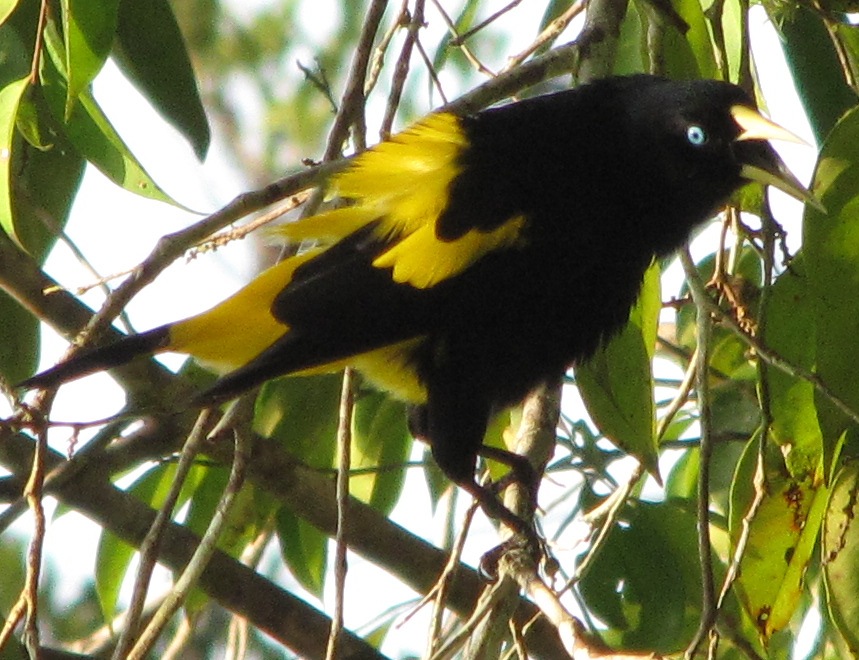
(97, 359)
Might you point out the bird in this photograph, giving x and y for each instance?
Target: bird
(475, 256)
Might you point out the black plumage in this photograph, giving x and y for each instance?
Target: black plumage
(533, 224)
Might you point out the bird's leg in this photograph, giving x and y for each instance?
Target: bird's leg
(454, 426)
(521, 472)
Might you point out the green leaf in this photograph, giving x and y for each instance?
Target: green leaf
(631, 50)
(781, 539)
(88, 27)
(114, 555)
(250, 511)
(380, 443)
(10, 98)
(19, 340)
(462, 24)
(790, 332)
(112, 558)
(6, 9)
(841, 554)
(46, 178)
(151, 52)
(831, 252)
(645, 583)
(816, 69)
(617, 383)
(302, 413)
(689, 55)
(304, 549)
(90, 131)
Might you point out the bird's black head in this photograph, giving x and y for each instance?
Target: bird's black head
(699, 141)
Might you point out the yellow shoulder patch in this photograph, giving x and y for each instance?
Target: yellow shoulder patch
(404, 183)
(406, 179)
(422, 260)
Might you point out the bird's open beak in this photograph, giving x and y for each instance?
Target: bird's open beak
(767, 167)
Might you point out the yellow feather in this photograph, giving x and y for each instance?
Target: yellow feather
(422, 260)
(407, 178)
(404, 183)
(234, 332)
(391, 369)
(329, 226)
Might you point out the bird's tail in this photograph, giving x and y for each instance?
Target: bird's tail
(104, 357)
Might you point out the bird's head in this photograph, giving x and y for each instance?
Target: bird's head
(707, 139)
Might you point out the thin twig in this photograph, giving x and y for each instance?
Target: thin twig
(551, 32)
(704, 328)
(401, 68)
(149, 549)
(458, 41)
(37, 47)
(28, 602)
(378, 59)
(439, 592)
(239, 420)
(470, 56)
(344, 449)
(352, 102)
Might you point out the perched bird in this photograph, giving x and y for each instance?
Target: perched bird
(480, 255)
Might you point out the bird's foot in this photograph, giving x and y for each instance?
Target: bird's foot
(525, 541)
(524, 546)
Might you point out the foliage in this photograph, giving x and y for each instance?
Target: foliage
(782, 400)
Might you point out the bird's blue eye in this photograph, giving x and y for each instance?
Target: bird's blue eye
(696, 135)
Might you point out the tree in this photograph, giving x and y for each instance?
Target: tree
(754, 405)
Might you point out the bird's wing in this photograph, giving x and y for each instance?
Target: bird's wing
(405, 188)
(381, 276)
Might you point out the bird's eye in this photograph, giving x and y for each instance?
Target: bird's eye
(696, 135)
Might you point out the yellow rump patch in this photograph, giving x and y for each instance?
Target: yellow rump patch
(235, 331)
(391, 369)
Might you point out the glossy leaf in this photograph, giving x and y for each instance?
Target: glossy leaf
(790, 331)
(688, 55)
(250, 511)
(617, 384)
(831, 252)
(10, 98)
(150, 50)
(631, 51)
(113, 556)
(112, 559)
(19, 340)
(6, 9)
(816, 69)
(381, 444)
(304, 549)
(301, 412)
(781, 540)
(840, 551)
(47, 174)
(90, 131)
(89, 27)
(645, 582)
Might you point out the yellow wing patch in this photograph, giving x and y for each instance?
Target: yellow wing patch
(235, 331)
(422, 260)
(404, 183)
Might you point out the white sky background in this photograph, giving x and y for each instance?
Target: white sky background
(104, 215)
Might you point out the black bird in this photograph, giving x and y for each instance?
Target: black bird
(481, 255)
